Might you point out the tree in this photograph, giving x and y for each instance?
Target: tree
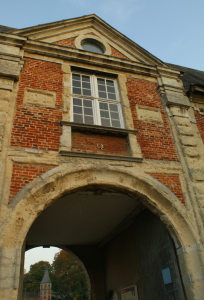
(71, 283)
(32, 279)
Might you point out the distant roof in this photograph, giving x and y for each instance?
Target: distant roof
(46, 277)
(190, 76)
(6, 29)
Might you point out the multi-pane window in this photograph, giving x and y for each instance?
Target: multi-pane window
(81, 84)
(95, 100)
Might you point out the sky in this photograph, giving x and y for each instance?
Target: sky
(170, 30)
(36, 254)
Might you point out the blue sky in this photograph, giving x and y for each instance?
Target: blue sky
(170, 30)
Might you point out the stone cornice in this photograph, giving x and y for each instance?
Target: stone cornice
(12, 39)
(81, 56)
(11, 57)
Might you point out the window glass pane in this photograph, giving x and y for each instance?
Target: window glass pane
(85, 78)
(86, 92)
(86, 85)
(101, 88)
(115, 123)
(101, 81)
(104, 113)
(92, 47)
(88, 111)
(78, 118)
(105, 122)
(77, 109)
(111, 89)
(113, 107)
(110, 82)
(76, 76)
(88, 119)
(76, 90)
(102, 95)
(77, 101)
(111, 96)
(83, 108)
(76, 83)
(114, 115)
(87, 103)
(103, 105)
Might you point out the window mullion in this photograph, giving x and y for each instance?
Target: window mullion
(95, 101)
(116, 90)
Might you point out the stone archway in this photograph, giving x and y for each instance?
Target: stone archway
(45, 190)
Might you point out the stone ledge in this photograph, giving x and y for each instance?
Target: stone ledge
(100, 156)
(9, 56)
(98, 129)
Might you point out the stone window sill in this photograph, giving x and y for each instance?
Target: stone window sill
(98, 129)
(100, 156)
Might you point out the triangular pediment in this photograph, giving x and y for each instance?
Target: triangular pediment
(69, 33)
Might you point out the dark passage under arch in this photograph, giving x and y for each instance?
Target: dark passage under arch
(120, 242)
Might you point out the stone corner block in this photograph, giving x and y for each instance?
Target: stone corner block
(2, 118)
(197, 174)
(65, 138)
(185, 131)
(2, 130)
(66, 68)
(188, 141)
(177, 98)
(179, 111)
(134, 148)
(1, 144)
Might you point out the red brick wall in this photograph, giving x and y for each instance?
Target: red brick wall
(70, 43)
(172, 182)
(88, 142)
(24, 173)
(67, 42)
(116, 53)
(200, 123)
(155, 139)
(36, 126)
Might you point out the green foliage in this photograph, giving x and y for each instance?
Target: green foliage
(71, 283)
(32, 279)
(67, 276)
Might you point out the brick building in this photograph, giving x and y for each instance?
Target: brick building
(101, 154)
(46, 287)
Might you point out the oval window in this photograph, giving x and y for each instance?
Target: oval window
(92, 47)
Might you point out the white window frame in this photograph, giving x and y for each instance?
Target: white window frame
(96, 99)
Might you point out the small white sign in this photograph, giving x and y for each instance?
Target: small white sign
(129, 293)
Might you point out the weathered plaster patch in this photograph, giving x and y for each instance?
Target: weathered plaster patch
(150, 114)
(39, 97)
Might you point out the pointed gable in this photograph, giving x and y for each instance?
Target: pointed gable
(71, 32)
